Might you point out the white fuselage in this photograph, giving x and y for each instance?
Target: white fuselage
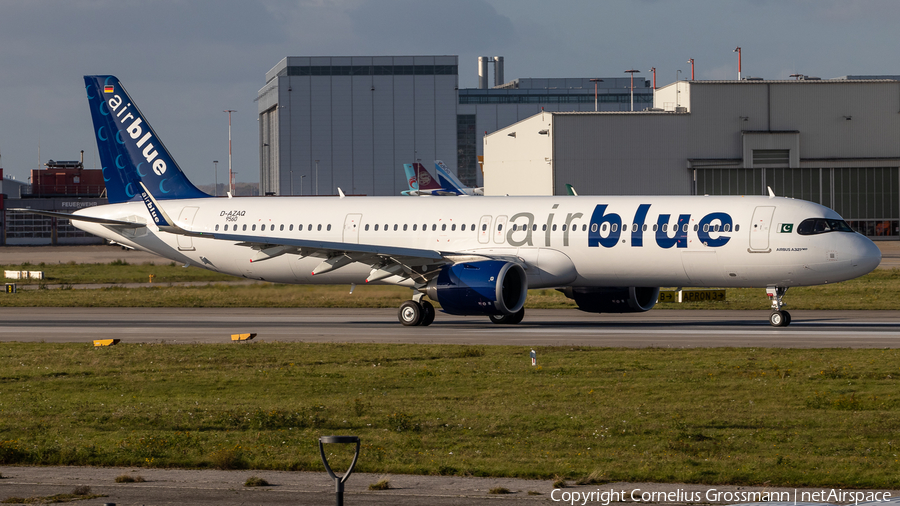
(719, 241)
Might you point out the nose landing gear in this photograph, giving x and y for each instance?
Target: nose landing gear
(778, 318)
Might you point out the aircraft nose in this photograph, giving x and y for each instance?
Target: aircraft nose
(866, 256)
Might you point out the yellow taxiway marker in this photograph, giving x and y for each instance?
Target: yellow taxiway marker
(242, 337)
(105, 342)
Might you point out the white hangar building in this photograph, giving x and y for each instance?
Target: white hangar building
(835, 142)
(353, 121)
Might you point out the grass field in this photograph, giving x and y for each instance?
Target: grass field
(735, 416)
(876, 290)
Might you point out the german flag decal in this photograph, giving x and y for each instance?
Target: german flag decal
(108, 89)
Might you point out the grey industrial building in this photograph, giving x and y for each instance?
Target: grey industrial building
(835, 142)
(352, 122)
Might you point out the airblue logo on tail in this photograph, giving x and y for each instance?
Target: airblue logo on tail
(130, 151)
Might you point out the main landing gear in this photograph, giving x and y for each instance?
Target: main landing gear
(414, 313)
(778, 318)
(508, 319)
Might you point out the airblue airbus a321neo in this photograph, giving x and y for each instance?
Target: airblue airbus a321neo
(475, 256)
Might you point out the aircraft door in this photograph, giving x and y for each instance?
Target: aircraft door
(484, 229)
(186, 220)
(499, 231)
(759, 228)
(351, 228)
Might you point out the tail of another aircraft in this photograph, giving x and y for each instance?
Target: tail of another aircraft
(450, 182)
(130, 151)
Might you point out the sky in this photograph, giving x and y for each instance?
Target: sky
(186, 61)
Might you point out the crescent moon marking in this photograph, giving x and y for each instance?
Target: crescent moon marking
(129, 193)
(88, 90)
(119, 165)
(161, 186)
(100, 134)
(103, 170)
(101, 106)
(119, 138)
(139, 170)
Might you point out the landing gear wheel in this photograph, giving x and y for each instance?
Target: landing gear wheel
(780, 318)
(410, 313)
(428, 314)
(509, 319)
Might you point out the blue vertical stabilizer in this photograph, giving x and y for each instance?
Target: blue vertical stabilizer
(130, 151)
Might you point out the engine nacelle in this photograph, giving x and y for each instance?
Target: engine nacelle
(602, 299)
(486, 287)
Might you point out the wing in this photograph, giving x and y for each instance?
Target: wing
(417, 264)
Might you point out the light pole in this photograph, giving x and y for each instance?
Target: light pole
(317, 177)
(738, 51)
(216, 165)
(595, 81)
(691, 61)
(653, 69)
(230, 173)
(632, 72)
(301, 184)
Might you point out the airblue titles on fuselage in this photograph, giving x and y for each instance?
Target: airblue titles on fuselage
(713, 223)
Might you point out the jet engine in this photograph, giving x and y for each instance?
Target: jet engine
(602, 299)
(484, 287)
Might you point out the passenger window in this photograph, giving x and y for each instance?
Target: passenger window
(634, 227)
(217, 228)
(395, 227)
(444, 227)
(716, 228)
(319, 228)
(727, 228)
(329, 227)
(696, 227)
(414, 227)
(367, 227)
(615, 227)
(376, 227)
(684, 228)
(737, 227)
(244, 229)
(291, 228)
(483, 227)
(665, 227)
(655, 227)
(309, 227)
(534, 227)
(385, 227)
(281, 228)
(253, 228)
(594, 228)
(262, 228)
(544, 228)
(434, 227)
(226, 227)
(300, 228)
(603, 228)
(706, 228)
(584, 228)
(644, 228)
(499, 227)
(453, 227)
(564, 228)
(404, 227)
(463, 228)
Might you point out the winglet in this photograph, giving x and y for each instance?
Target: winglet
(341, 192)
(771, 193)
(160, 218)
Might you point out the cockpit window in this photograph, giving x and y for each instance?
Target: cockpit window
(814, 226)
